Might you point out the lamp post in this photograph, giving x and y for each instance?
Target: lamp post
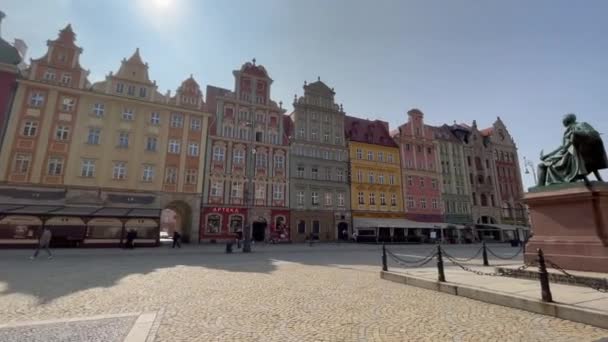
(250, 199)
(529, 165)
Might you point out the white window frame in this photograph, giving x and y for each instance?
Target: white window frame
(55, 166)
(300, 197)
(193, 149)
(174, 146)
(277, 192)
(329, 199)
(87, 168)
(196, 124)
(151, 144)
(218, 153)
(62, 133)
(191, 176)
(37, 99)
(147, 173)
(128, 114)
(123, 139)
(99, 109)
(94, 136)
(67, 104)
(171, 175)
(314, 198)
(22, 163)
(341, 199)
(155, 118)
(119, 170)
(177, 120)
(30, 128)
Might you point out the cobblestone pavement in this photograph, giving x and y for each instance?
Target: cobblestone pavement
(107, 330)
(279, 293)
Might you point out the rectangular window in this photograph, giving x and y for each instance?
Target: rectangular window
(195, 124)
(55, 166)
(67, 104)
(370, 177)
(174, 146)
(30, 128)
(410, 180)
(372, 198)
(238, 156)
(193, 149)
(128, 114)
(328, 173)
(228, 131)
(338, 140)
(300, 171)
(260, 160)
(218, 153)
(119, 171)
(22, 163)
(94, 136)
(87, 168)
(316, 228)
(148, 173)
(260, 192)
(340, 199)
(329, 198)
(359, 154)
(434, 183)
(259, 117)
(370, 155)
(382, 198)
(151, 144)
(259, 136)
(301, 132)
(391, 179)
(131, 90)
(62, 133)
(300, 197)
(277, 192)
(381, 179)
(66, 79)
(302, 227)
(49, 75)
(98, 109)
(360, 176)
(123, 140)
(423, 203)
(216, 189)
(315, 173)
(361, 198)
(422, 182)
(142, 92)
(177, 120)
(171, 175)
(315, 198)
(119, 88)
(410, 202)
(435, 204)
(279, 162)
(380, 156)
(237, 190)
(340, 175)
(393, 200)
(326, 137)
(155, 118)
(314, 134)
(36, 99)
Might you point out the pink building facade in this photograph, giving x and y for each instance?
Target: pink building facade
(420, 173)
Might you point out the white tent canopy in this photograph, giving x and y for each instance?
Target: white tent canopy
(399, 223)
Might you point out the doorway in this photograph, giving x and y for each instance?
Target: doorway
(259, 231)
(343, 231)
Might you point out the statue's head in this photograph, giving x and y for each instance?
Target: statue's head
(569, 119)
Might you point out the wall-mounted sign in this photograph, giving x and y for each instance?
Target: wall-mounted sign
(228, 210)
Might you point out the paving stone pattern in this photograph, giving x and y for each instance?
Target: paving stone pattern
(323, 293)
(107, 330)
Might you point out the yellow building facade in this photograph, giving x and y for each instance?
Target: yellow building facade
(375, 176)
(118, 144)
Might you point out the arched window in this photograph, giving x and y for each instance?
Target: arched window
(214, 223)
(236, 223)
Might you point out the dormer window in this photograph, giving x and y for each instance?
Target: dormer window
(66, 78)
(49, 75)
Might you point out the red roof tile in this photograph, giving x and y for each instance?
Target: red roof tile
(367, 131)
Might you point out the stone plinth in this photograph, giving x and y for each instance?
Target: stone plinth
(570, 224)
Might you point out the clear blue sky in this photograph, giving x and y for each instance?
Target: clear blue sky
(528, 62)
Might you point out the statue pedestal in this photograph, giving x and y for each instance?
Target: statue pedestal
(570, 224)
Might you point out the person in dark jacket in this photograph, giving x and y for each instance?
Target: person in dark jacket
(176, 239)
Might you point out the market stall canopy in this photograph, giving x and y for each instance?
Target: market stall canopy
(363, 222)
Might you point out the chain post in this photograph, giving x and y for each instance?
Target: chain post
(441, 273)
(544, 278)
(384, 262)
(485, 254)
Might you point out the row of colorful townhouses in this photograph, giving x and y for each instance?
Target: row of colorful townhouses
(96, 160)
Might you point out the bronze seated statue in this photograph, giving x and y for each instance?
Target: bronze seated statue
(581, 153)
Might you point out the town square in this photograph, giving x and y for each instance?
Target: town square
(180, 170)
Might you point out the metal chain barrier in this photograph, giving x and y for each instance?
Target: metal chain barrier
(411, 264)
(521, 248)
(466, 259)
(481, 273)
(430, 255)
(598, 286)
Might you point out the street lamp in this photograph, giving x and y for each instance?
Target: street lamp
(250, 198)
(529, 165)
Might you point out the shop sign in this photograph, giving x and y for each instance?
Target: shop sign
(227, 210)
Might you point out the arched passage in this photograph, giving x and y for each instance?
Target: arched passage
(179, 217)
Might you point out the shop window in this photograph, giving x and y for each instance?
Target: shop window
(214, 222)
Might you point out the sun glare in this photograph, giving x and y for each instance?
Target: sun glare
(162, 4)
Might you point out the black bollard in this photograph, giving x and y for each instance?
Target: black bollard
(440, 272)
(229, 247)
(384, 263)
(485, 254)
(543, 275)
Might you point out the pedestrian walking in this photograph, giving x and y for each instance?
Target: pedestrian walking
(177, 239)
(131, 235)
(355, 236)
(44, 243)
(344, 234)
(239, 238)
